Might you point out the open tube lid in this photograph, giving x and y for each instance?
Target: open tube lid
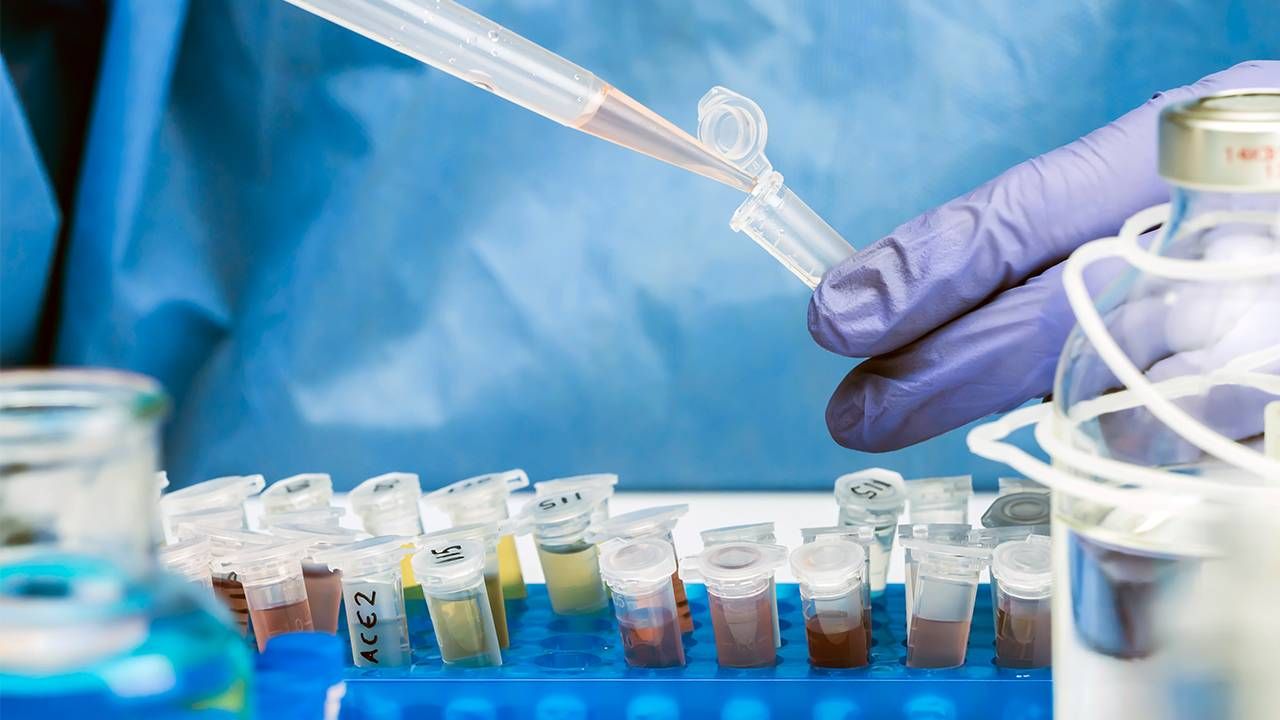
(733, 562)
(553, 509)
(993, 537)
(638, 523)
(447, 565)
(486, 533)
(641, 562)
(215, 493)
(939, 491)
(1024, 567)
(297, 492)
(874, 491)
(330, 515)
(266, 564)
(371, 556)
(861, 534)
(490, 488)
(194, 524)
(761, 532)
(596, 482)
(190, 553)
(1020, 508)
(830, 563)
(394, 491)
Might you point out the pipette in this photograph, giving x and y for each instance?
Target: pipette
(732, 130)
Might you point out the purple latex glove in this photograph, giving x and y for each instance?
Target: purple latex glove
(961, 310)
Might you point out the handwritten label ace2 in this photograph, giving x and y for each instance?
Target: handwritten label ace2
(365, 602)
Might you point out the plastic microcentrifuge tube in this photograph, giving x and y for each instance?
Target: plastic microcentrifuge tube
(939, 500)
(639, 572)
(221, 492)
(1008, 485)
(1023, 627)
(452, 576)
(225, 543)
(481, 499)
(837, 622)
(488, 534)
(324, 584)
(599, 484)
(374, 598)
(734, 127)
(274, 589)
(388, 504)
(654, 522)
(917, 539)
(570, 563)
(738, 577)
(946, 588)
(761, 532)
(992, 537)
(873, 497)
(190, 559)
(1020, 508)
(863, 535)
(298, 492)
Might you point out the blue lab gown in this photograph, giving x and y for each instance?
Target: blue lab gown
(337, 259)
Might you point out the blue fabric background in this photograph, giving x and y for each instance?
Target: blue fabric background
(337, 259)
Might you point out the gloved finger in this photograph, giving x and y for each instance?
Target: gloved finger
(952, 259)
(990, 360)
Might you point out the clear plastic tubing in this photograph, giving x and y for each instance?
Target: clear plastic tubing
(761, 532)
(741, 599)
(873, 497)
(307, 491)
(488, 534)
(374, 598)
(654, 522)
(452, 576)
(639, 572)
(274, 590)
(1024, 570)
(837, 621)
(946, 588)
(570, 563)
(483, 499)
(471, 47)
(939, 500)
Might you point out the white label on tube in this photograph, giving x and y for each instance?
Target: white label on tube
(376, 623)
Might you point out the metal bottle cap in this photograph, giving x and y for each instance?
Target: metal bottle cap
(1228, 141)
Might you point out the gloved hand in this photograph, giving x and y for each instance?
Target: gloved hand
(961, 310)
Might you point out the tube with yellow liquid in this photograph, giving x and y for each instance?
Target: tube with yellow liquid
(483, 499)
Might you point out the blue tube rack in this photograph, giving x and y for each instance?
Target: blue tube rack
(572, 668)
